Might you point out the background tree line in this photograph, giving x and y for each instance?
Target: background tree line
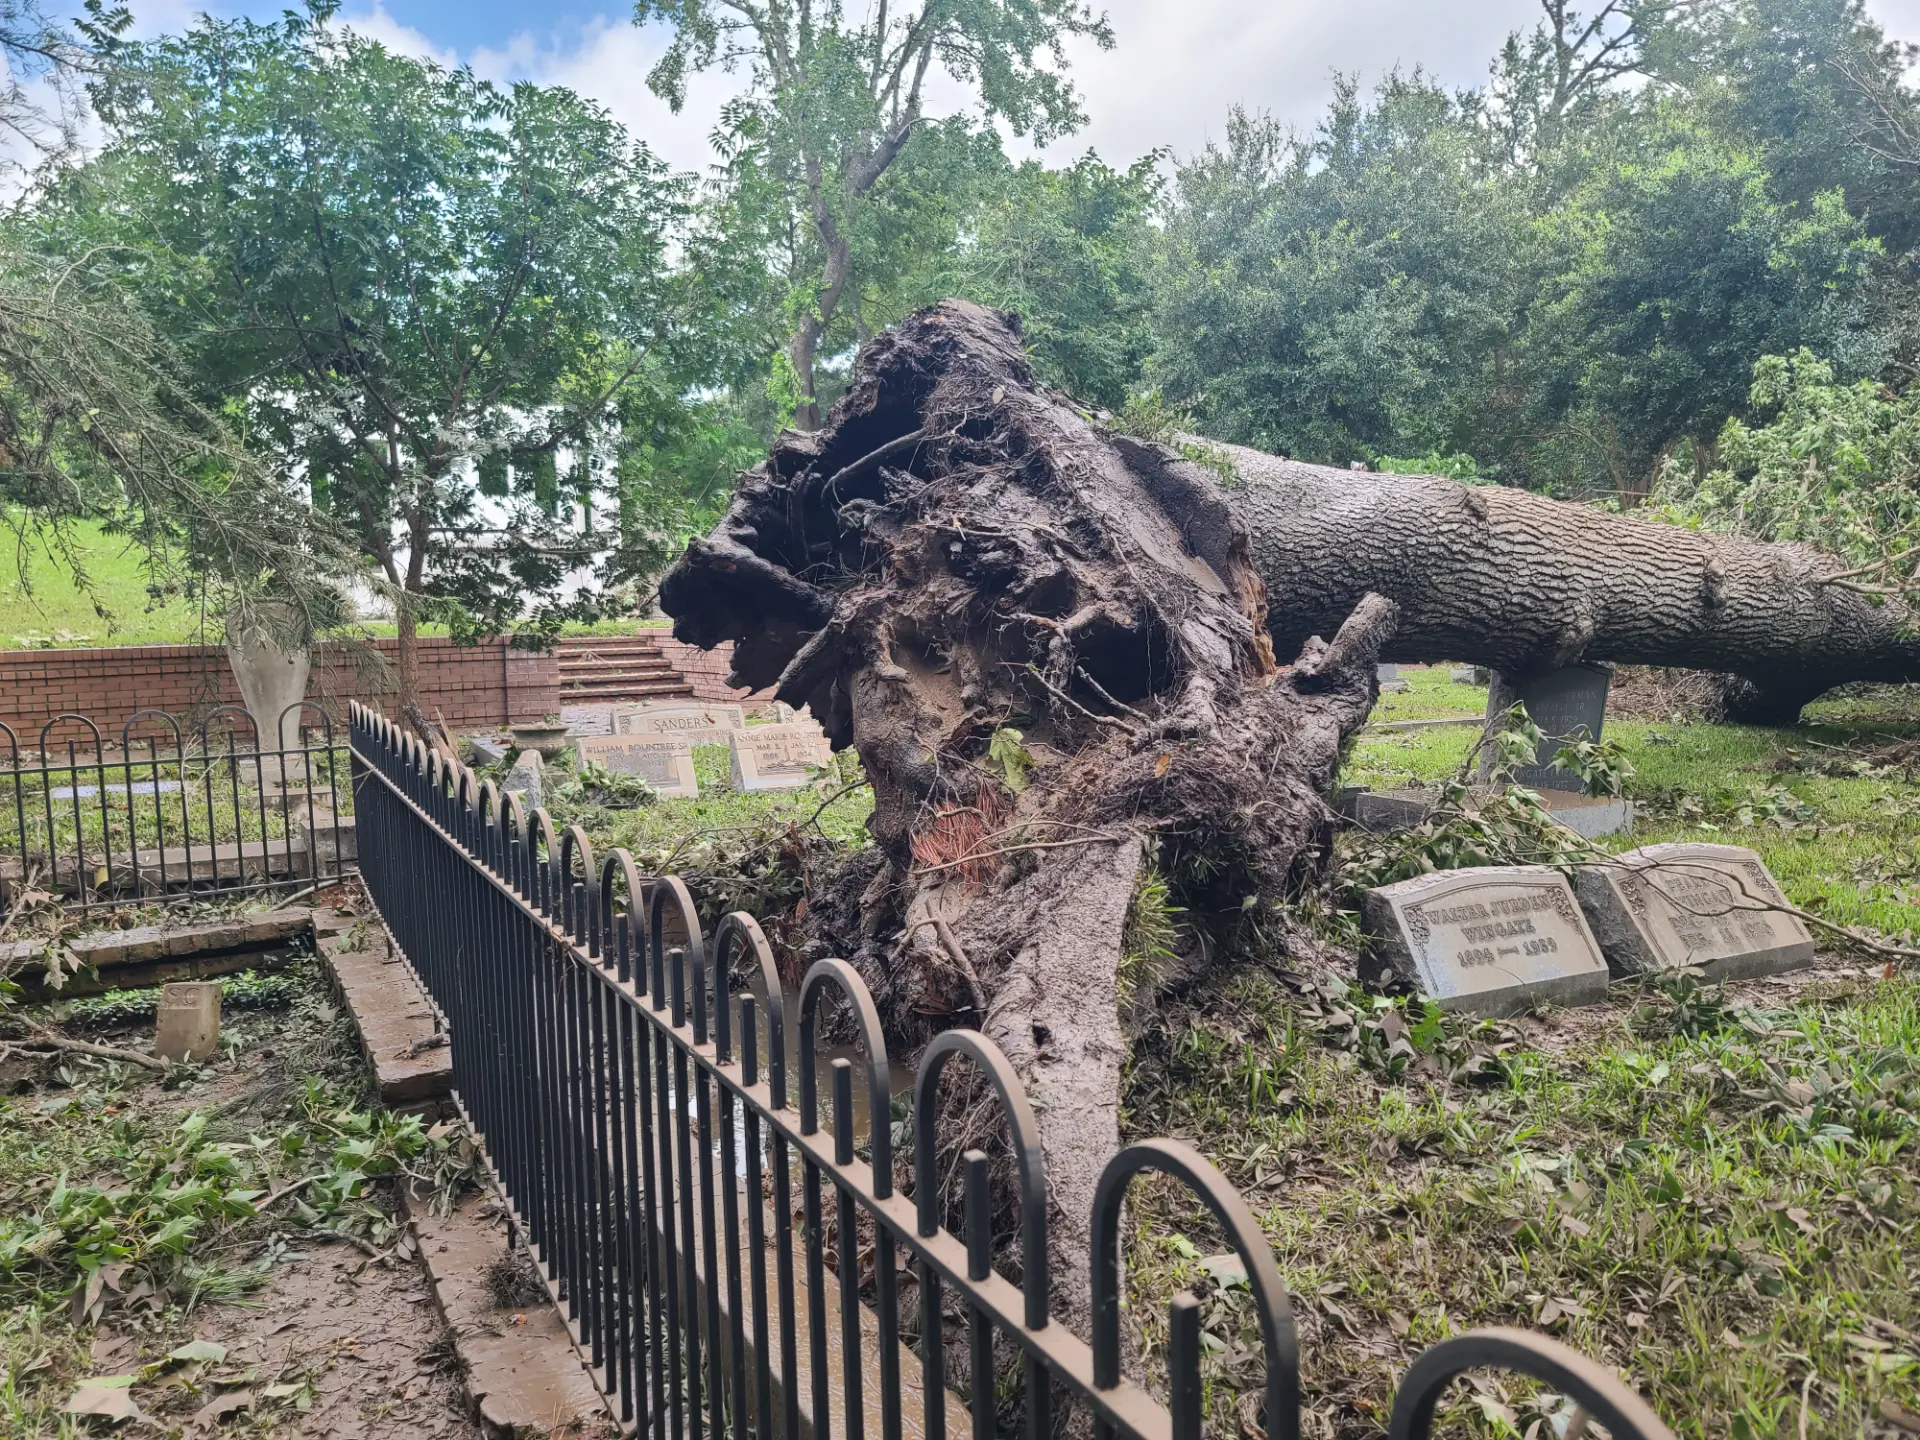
(310, 308)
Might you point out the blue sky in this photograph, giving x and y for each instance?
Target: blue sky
(1177, 68)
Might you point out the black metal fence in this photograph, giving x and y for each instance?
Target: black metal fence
(650, 1149)
(164, 812)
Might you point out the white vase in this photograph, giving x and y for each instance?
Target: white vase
(273, 682)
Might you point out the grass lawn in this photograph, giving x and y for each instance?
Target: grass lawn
(52, 610)
(51, 607)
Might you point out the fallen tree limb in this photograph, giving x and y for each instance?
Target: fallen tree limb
(42, 1038)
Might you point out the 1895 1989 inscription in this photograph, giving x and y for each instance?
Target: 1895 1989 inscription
(1490, 941)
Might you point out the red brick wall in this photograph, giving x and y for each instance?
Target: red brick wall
(471, 685)
(706, 670)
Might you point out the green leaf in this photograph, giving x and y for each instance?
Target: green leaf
(1007, 754)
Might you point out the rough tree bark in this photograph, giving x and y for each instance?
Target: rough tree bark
(958, 554)
(1516, 581)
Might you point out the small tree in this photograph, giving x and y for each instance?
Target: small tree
(831, 107)
(423, 294)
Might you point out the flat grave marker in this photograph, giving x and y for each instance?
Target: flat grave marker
(778, 757)
(1668, 907)
(697, 724)
(1564, 703)
(1489, 941)
(664, 762)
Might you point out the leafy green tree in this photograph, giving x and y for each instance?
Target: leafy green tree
(424, 295)
(1816, 89)
(832, 107)
(1344, 294)
(1835, 465)
(1068, 250)
(1677, 270)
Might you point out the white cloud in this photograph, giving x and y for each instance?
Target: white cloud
(1176, 71)
(608, 60)
(377, 24)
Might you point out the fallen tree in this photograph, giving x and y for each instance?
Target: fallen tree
(1055, 650)
(1513, 580)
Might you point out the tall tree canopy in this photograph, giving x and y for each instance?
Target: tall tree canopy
(425, 295)
(831, 107)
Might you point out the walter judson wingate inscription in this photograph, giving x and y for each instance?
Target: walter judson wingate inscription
(1489, 941)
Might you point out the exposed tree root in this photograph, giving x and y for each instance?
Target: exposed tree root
(1049, 646)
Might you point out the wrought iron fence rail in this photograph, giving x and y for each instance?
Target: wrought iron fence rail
(169, 814)
(596, 1059)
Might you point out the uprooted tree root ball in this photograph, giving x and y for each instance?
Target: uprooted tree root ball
(1048, 644)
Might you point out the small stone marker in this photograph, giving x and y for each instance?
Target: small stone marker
(665, 763)
(189, 1021)
(1489, 942)
(1470, 675)
(778, 757)
(697, 724)
(1665, 907)
(1390, 680)
(1566, 704)
(527, 779)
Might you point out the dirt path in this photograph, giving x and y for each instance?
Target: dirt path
(358, 1344)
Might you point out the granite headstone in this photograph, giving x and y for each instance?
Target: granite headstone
(1490, 941)
(1665, 907)
(696, 724)
(665, 763)
(1567, 704)
(777, 757)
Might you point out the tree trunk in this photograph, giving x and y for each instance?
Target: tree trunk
(806, 340)
(963, 576)
(407, 632)
(1505, 578)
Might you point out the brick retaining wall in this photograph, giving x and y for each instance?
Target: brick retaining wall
(471, 685)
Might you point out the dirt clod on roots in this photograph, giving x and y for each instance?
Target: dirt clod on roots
(1048, 644)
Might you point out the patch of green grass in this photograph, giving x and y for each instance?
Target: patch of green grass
(1718, 1200)
(1432, 696)
(669, 824)
(51, 607)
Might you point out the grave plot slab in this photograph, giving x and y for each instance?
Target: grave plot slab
(665, 762)
(1490, 941)
(1383, 810)
(1680, 905)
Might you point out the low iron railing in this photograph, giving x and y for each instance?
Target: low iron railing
(606, 1066)
(165, 813)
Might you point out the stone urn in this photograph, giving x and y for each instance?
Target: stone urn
(546, 738)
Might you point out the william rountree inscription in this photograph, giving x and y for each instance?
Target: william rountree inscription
(665, 764)
(1488, 941)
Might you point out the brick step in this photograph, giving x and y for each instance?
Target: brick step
(609, 643)
(623, 678)
(647, 664)
(625, 690)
